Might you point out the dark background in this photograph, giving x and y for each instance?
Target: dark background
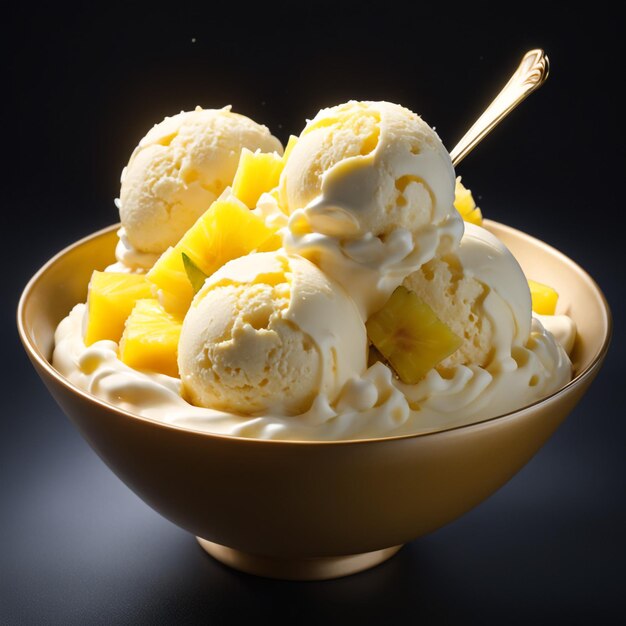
(76, 546)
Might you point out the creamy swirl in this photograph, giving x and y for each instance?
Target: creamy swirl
(128, 258)
(369, 189)
(368, 267)
(374, 404)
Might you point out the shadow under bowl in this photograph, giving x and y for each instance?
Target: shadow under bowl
(311, 510)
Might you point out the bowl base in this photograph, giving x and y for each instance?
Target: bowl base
(309, 568)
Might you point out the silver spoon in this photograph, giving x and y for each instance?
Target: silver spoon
(530, 75)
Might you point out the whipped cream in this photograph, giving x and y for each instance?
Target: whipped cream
(369, 189)
(369, 267)
(128, 258)
(374, 404)
(562, 327)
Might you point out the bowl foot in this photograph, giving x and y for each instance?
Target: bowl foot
(310, 568)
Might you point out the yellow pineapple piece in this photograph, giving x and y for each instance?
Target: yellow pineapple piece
(150, 339)
(410, 336)
(227, 230)
(112, 295)
(256, 173)
(290, 144)
(544, 298)
(275, 192)
(273, 242)
(465, 205)
(373, 356)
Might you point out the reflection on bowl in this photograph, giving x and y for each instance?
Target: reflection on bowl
(310, 510)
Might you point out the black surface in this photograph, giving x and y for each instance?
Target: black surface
(76, 545)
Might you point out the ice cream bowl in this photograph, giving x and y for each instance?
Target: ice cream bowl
(311, 510)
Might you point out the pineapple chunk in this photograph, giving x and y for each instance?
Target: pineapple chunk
(227, 230)
(410, 336)
(373, 356)
(257, 172)
(465, 205)
(274, 242)
(112, 295)
(544, 298)
(150, 339)
(290, 145)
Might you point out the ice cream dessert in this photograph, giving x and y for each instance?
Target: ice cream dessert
(369, 189)
(345, 289)
(182, 165)
(266, 334)
(480, 292)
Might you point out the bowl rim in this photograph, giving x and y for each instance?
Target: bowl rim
(35, 354)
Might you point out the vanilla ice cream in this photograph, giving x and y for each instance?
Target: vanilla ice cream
(373, 404)
(481, 293)
(274, 345)
(369, 188)
(269, 332)
(179, 168)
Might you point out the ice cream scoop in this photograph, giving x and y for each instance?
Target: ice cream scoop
(481, 293)
(371, 404)
(269, 332)
(368, 167)
(369, 188)
(180, 167)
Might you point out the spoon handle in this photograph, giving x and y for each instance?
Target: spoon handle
(530, 75)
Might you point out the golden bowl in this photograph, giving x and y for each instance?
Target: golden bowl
(310, 510)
